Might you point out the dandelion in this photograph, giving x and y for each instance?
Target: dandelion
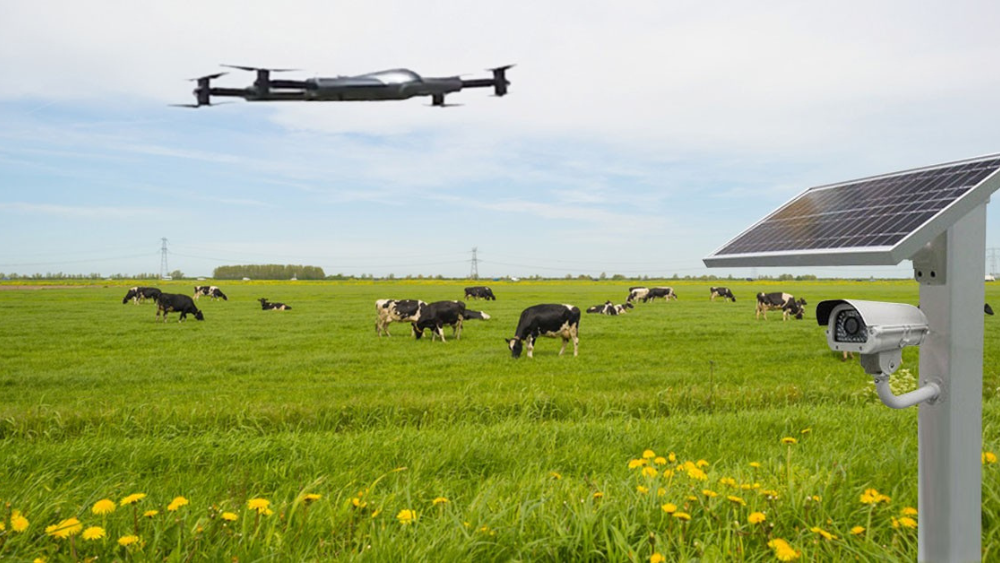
(805, 430)
(909, 511)
(826, 535)
(132, 499)
(406, 516)
(736, 500)
(755, 464)
(728, 481)
(669, 508)
(642, 490)
(872, 496)
(230, 517)
(649, 472)
(815, 498)
(657, 558)
(788, 441)
(636, 463)
(908, 522)
(989, 458)
(857, 530)
(261, 505)
(771, 494)
(177, 503)
(555, 475)
(648, 454)
(683, 516)
(311, 497)
(64, 529)
(150, 513)
(126, 541)
(18, 523)
(695, 473)
(895, 524)
(94, 533)
(598, 494)
(103, 506)
(358, 503)
(672, 457)
(756, 517)
(782, 550)
(661, 492)
(702, 464)
(439, 500)
(660, 460)
(709, 493)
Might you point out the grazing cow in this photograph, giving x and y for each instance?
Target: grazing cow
(169, 302)
(480, 291)
(266, 305)
(395, 310)
(635, 293)
(778, 300)
(477, 315)
(141, 294)
(209, 291)
(722, 292)
(435, 315)
(666, 293)
(546, 320)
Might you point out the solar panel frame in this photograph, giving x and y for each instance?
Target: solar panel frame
(942, 194)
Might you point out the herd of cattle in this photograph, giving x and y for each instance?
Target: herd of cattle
(550, 320)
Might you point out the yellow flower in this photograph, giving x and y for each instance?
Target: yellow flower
(770, 493)
(103, 506)
(66, 528)
(788, 440)
(3, 527)
(94, 533)
(661, 492)
(782, 550)
(805, 430)
(702, 464)
(908, 522)
(822, 532)
(150, 513)
(660, 460)
(132, 499)
(642, 490)
(672, 457)
(657, 558)
(177, 503)
(128, 540)
(311, 497)
(648, 454)
(259, 504)
(439, 500)
(358, 503)
(858, 530)
(815, 498)
(895, 524)
(989, 457)
(736, 500)
(649, 472)
(18, 523)
(555, 475)
(669, 508)
(406, 516)
(909, 511)
(598, 494)
(230, 517)
(756, 517)
(728, 481)
(39, 560)
(682, 516)
(695, 473)
(755, 464)
(709, 493)
(872, 496)
(633, 464)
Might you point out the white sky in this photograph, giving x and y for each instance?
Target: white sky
(637, 137)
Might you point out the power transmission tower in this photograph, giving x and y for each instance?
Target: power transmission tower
(474, 274)
(991, 257)
(164, 270)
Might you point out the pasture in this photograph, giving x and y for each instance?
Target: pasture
(380, 449)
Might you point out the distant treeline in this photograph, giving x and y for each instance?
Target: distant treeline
(269, 272)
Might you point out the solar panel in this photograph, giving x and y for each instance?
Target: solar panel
(881, 220)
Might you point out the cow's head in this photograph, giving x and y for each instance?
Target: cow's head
(199, 316)
(628, 306)
(417, 331)
(515, 347)
(131, 293)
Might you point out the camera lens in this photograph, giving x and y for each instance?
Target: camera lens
(850, 327)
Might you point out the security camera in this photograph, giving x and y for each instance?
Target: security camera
(879, 332)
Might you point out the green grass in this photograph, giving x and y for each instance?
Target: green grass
(101, 401)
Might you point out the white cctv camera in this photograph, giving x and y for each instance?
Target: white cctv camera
(879, 332)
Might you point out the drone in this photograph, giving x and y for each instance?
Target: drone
(394, 84)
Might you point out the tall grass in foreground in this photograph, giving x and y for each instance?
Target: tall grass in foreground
(684, 431)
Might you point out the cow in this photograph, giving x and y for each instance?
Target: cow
(723, 292)
(170, 302)
(435, 315)
(666, 293)
(549, 320)
(637, 293)
(395, 310)
(266, 305)
(140, 294)
(477, 315)
(478, 292)
(209, 291)
(609, 308)
(779, 300)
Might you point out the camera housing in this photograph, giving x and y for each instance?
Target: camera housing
(877, 330)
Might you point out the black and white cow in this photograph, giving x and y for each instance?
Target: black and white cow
(171, 302)
(209, 291)
(435, 315)
(546, 320)
(476, 315)
(637, 293)
(722, 292)
(140, 294)
(388, 311)
(666, 293)
(480, 292)
(609, 308)
(779, 300)
(266, 305)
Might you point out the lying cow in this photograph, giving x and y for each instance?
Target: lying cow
(476, 315)
(266, 305)
(722, 292)
(546, 320)
(209, 291)
(388, 311)
(480, 292)
(435, 315)
(786, 302)
(141, 294)
(171, 302)
(666, 293)
(609, 308)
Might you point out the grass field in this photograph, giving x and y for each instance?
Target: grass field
(354, 441)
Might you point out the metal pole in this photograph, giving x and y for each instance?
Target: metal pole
(951, 428)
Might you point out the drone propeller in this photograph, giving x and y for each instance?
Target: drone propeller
(208, 77)
(500, 82)
(259, 69)
(196, 106)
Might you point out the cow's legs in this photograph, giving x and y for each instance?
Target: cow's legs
(563, 347)
(531, 346)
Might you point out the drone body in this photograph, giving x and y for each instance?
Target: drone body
(395, 84)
